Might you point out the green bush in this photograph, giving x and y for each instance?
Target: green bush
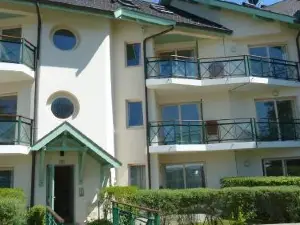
(36, 215)
(12, 211)
(245, 204)
(100, 222)
(12, 193)
(259, 181)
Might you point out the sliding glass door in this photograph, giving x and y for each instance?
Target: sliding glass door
(181, 124)
(269, 61)
(8, 120)
(178, 63)
(275, 120)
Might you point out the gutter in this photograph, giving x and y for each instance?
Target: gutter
(146, 96)
(36, 95)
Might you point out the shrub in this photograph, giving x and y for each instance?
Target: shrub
(12, 193)
(36, 215)
(259, 181)
(12, 211)
(244, 204)
(100, 222)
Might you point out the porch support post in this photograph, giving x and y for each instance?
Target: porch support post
(81, 165)
(42, 166)
(104, 175)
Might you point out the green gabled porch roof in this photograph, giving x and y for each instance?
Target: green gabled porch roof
(66, 137)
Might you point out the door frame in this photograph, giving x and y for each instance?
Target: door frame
(73, 185)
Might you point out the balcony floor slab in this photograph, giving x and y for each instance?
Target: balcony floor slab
(12, 72)
(14, 149)
(227, 83)
(157, 149)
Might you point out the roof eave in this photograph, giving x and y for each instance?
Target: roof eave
(250, 11)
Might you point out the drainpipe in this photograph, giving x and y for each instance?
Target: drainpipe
(36, 93)
(297, 44)
(146, 96)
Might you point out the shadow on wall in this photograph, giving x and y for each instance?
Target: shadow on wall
(89, 50)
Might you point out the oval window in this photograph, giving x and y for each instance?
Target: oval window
(62, 108)
(64, 39)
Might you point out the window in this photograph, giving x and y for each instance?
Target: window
(64, 39)
(181, 124)
(281, 167)
(268, 67)
(179, 176)
(275, 119)
(11, 45)
(133, 54)
(6, 178)
(62, 107)
(135, 114)
(137, 176)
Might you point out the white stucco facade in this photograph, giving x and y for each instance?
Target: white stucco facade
(96, 79)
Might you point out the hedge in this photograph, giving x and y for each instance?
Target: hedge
(255, 204)
(36, 215)
(12, 207)
(259, 181)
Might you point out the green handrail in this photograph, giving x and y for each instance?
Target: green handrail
(15, 129)
(17, 50)
(126, 214)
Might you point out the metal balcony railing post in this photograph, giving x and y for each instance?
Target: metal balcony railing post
(21, 51)
(247, 68)
(199, 68)
(203, 132)
(252, 122)
(298, 75)
(19, 129)
(116, 219)
(255, 129)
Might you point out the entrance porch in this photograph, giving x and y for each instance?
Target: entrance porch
(70, 171)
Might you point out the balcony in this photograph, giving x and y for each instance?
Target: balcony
(15, 134)
(226, 134)
(227, 71)
(17, 59)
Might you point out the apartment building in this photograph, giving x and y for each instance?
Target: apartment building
(121, 92)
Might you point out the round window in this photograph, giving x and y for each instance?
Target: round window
(62, 108)
(64, 39)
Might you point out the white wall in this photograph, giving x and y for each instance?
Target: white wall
(83, 73)
(128, 84)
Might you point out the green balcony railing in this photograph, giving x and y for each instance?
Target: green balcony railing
(15, 130)
(52, 218)
(17, 50)
(222, 67)
(222, 131)
(125, 214)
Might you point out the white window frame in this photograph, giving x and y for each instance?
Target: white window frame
(128, 114)
(140, 56)
(144, 172)
(184, 172)
(11, 169)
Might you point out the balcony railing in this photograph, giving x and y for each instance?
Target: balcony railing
(15, 130)
(17, 50)
(223, 67)
(222, 131)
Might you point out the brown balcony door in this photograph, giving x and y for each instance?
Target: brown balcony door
(10, 48)
(8, 122)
